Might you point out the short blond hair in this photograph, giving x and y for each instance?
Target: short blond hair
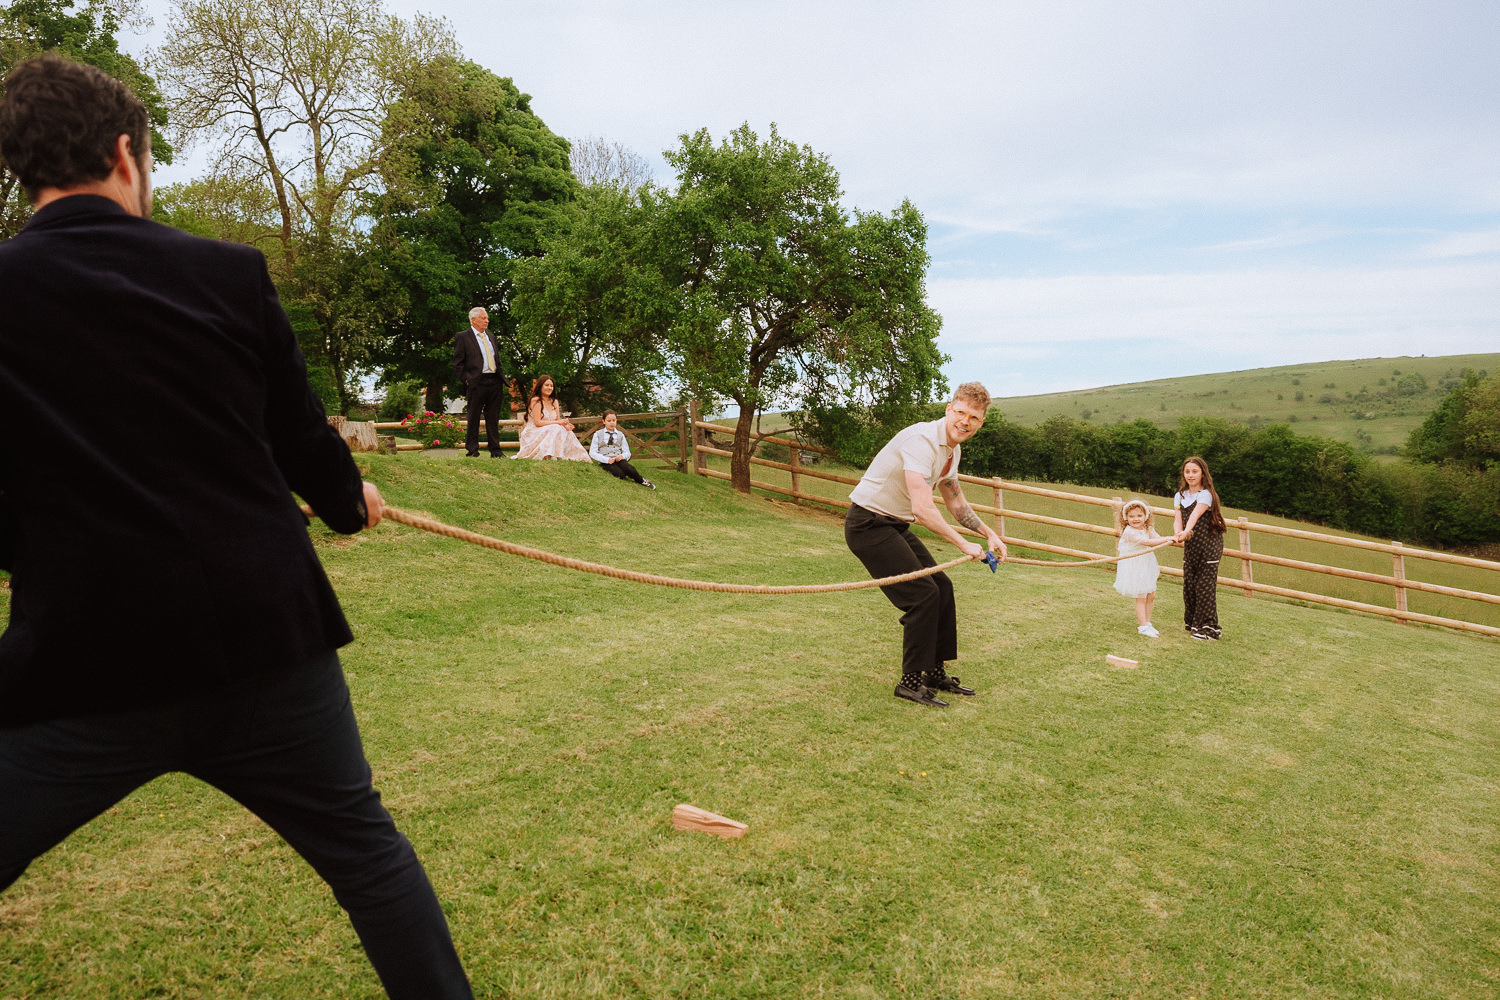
(973, 392)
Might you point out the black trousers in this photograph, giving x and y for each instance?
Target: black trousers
(1201, 555)
(288, 750)
(485, 394)
(929, 619)
(622, 470)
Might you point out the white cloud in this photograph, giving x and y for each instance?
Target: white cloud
(1464, 245)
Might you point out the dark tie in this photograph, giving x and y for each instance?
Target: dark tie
(611, 438)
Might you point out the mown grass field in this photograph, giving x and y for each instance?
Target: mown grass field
(1306, 809)
(1354, 401)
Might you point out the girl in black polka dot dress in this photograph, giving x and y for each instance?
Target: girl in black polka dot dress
(1199, 524)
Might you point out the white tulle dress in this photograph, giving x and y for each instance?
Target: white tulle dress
(551, 440)
(1136, 576)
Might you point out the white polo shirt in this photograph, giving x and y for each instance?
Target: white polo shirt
(921, 448)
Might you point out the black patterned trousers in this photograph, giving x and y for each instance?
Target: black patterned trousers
(1201, 554)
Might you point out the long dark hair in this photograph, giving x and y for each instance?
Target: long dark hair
(1215, 516)
(536, 394)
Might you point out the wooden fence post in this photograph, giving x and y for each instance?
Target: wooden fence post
(1398, 570)
(796, 471)
(999, 506)
(1247, 568)
(682, 440)
(1117, 512)
(700, 460)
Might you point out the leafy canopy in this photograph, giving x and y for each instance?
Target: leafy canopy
(783, 298)
(473, 181)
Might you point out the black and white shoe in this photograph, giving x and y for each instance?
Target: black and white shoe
(921, 694)
(648, 484)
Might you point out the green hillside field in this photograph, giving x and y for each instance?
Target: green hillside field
(1363, 402)
(1307, 808)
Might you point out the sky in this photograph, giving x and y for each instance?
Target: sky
(1115, 192)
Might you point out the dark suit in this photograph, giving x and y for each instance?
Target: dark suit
(484, 392)
(168, 611)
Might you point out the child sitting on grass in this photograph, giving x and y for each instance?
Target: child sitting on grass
(1136, 576)
(610, 449)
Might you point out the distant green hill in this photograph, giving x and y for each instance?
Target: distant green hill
(1374, 403)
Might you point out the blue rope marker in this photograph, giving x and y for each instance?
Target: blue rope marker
(989, 557)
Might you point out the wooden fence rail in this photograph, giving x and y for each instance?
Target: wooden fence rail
(1245, 528)
(667, 441)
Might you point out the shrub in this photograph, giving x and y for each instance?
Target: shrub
(1410, 385)
(434, 430)
(401, 400)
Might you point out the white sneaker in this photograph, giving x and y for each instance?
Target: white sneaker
(1148, 630)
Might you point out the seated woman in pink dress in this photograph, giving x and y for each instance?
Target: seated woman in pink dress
(547, 433)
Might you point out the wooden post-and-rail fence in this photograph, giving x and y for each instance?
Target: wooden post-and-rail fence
(662, 436)
(1397, 579)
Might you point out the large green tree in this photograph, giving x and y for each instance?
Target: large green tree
(473, 181)
(784, 297)
(592, 309)
(85, 33)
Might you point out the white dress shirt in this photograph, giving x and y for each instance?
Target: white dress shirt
(602, 447)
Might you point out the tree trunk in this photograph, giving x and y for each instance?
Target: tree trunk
(435, 396)
(739, 462)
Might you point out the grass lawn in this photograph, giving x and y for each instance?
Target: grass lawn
(1306, 809)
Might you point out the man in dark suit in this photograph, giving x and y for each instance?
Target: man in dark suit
(168, 611)
(476, 363)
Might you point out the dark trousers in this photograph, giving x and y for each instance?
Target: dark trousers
(287, 749)
(485, 394)
(929, 619)
(1201, 555)
(622, 470)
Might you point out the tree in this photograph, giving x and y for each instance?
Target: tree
(590, 310)
(223, 206)
(602, 162)
(32, 27)
(295, 94)
(782, 297)
(1464, 427)
(473, 180)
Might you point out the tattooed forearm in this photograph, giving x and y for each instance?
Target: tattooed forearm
(965, 516)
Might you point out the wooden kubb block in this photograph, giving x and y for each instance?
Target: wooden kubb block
(686, 817)
(1120, 663)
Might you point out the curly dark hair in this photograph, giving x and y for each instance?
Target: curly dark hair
(60, 121)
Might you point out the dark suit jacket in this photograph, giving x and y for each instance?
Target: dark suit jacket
(468, 359)
(158, 418)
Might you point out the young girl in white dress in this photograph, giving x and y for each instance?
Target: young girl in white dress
(1136, 576)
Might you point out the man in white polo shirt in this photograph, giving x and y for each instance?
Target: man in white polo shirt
(895, 492)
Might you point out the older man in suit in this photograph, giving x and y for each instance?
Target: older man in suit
(168, 610)
(476, 363)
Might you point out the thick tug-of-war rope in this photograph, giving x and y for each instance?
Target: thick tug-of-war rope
(474, 538)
